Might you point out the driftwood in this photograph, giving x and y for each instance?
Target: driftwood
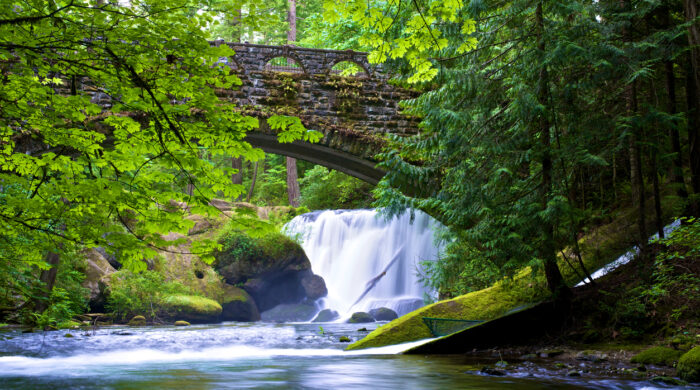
(373, 282)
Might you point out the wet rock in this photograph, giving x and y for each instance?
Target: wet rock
(492, 371)
(363, 330)
(360, 317)
(137, 321)
(573, 373)
(344, 339)
(548, 353)
(314, 286)
(666, 380)
(383, 314)
(238, 305)
(529, 356)
(591, 356)
(68, 335)
(123, 333)
(182, 323)
(326, 315)
(294, 312)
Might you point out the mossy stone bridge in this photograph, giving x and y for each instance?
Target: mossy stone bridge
(337, 93)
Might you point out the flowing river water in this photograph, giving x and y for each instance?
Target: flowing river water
(347, 248)
(247, 356)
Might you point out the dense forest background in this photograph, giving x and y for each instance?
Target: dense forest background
(541, 120)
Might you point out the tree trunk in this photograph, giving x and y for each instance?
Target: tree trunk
(692, 85)
(237, 27)
(555, 281)
(252, 182)
(237, 178)
(658, 220)
(293, 192)
(676, 173)
(47, 279)
(636, 178)
(292, 19)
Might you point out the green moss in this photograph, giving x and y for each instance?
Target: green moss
(657, 355)
(484, 304)
(182, 323)
(192, 304)
(689, 365)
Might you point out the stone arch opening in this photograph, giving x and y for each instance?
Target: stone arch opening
(284, 64)
(348, 68)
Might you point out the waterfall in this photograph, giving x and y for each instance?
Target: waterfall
(350, 248)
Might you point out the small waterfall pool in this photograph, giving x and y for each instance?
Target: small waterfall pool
(353, 249)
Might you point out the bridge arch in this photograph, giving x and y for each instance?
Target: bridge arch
(361, 168)
(339, 65)
(280, 63)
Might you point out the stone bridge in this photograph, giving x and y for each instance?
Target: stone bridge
(354, 110)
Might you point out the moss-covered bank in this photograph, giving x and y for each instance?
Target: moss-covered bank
(479, 305)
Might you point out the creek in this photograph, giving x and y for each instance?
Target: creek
(348, 249)
(246, 356)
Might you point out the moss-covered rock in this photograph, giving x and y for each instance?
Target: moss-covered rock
(326, 315)
(270, 268)
(190, 308)
(689, 365)
(484, 304)
(344, 339)
(238, 305)
(661, 356)
(244, 257)
(182, 323)
(137, 321)
(360, 317)
(383, 314)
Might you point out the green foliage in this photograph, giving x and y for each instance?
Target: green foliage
(61, 309)
(141, 293)
(411, 31)
(675, 275)
(322, 188)
(76, 174)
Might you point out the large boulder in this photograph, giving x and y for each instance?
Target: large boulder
(383, 314)
(270, 268)
(97, 269)
(314, 286)
(238, 305)
(689, 365)
(299, 312)
(326, 315)
(360, 317)
(190, 308)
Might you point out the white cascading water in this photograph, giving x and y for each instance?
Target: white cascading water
(351, 248)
